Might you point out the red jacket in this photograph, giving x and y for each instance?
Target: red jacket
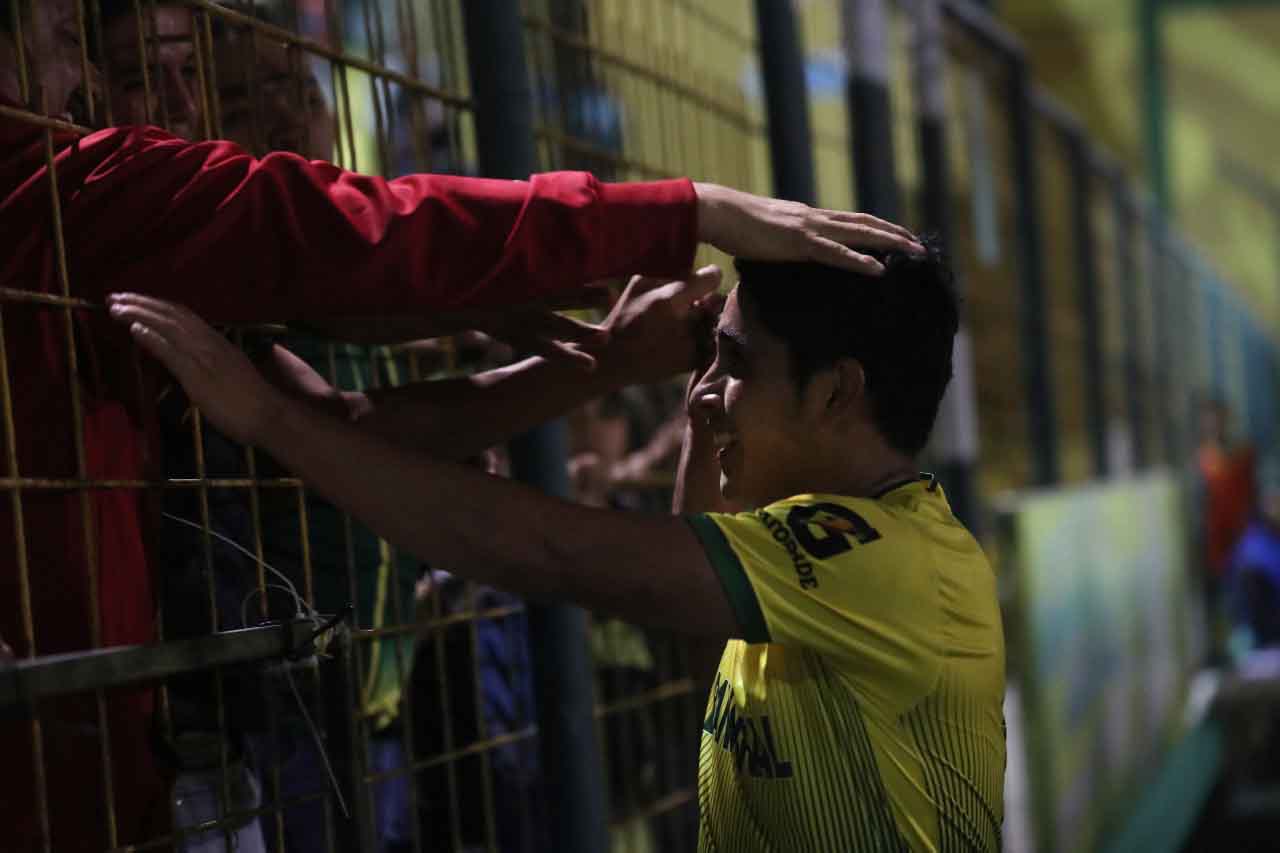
(238, 240)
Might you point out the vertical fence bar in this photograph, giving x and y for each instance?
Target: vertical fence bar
(955, 444)
(866, 46)
(1127, 273)
(787, 101)
(1036, 376)
(1089, 305)
(1187, 345)
(571, 759)
(1160, 295)
(1217, 351)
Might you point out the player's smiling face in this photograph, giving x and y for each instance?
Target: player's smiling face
(758, 420)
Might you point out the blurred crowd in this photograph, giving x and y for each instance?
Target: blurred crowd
(1238, 499)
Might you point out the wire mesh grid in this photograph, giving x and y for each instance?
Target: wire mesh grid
(378, 87)
(827, 73)
(375, 85)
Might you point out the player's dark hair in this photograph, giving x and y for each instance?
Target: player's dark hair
(900, 327)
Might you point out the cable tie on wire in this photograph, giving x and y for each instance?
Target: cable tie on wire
(307, 647)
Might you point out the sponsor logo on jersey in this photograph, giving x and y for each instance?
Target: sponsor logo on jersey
(785, 538)
(749, 738)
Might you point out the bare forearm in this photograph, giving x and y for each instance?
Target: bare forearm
(457, 418)
(501, 533)
(436, 509)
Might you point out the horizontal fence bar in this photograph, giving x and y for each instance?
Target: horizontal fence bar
(1056, 113)
(64, 484)
(667, 80)
(980, 23)
(350, 61)
(26, 682)
(35, 119)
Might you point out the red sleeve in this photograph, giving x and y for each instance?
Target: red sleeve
(282, 238)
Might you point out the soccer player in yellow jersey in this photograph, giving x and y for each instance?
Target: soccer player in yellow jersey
(858, 701)
(858, 706)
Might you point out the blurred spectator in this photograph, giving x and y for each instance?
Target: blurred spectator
(1227, 489)
(1254, 572)
(607, 465)
(167, 92)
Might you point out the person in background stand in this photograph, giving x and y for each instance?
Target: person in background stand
(1227, 491)
(1253, 576)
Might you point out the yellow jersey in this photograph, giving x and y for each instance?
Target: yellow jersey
(863, 710)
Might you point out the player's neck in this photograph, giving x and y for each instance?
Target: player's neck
(873, 465)
(862, 476)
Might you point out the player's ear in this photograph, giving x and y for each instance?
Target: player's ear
(846, 385)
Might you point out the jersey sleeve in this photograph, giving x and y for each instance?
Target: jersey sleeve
(847, 579)
(282, 238)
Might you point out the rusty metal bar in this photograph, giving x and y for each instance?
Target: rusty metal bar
(26, 683)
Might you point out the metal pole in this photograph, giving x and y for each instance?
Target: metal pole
(1127, 272)
(1253, 393)
(955, 443)
(866, 45)
(1037, 378)
(563, 671)
(1158, 272)
(1082, 175)
(1188, 359)
(787, 101)
(1217, 355)
(1155, 110)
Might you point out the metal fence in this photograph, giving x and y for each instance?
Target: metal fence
(433, 714)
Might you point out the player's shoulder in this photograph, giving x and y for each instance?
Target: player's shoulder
(866, 519)
(827, 527)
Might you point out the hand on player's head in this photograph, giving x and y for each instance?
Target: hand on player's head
(770, 229)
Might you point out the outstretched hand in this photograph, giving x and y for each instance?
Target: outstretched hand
(768, 229)
(658, 327)
(541, 331)
(217, 376)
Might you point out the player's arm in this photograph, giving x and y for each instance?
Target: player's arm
(647, 569)
(652, 332)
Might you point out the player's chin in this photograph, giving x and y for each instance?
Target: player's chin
(732, 487)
